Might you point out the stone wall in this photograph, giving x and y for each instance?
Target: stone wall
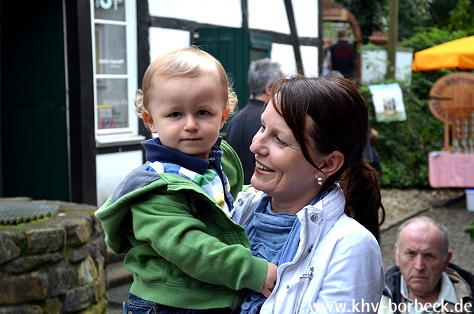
(55, 264)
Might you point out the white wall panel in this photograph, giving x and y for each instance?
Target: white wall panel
(112, 169)
(165, 39)
(268, 15)
(285, 56)
(310, 60)
(217, 12)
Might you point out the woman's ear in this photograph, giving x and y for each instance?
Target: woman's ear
(148, 121)
(332, 163)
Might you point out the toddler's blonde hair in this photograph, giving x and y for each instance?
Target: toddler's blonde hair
(184, 62)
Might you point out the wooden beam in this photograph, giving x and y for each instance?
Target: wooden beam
(294, 36)
(392, 39)
(245, 13)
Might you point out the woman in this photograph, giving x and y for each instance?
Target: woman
(310, 178)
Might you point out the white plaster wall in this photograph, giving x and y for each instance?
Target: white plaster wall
(374, 65)
(112, 169)
(218, 12)
(271, 15)
(284, 54)
(165, 39)
(310, 60)
(268, 15)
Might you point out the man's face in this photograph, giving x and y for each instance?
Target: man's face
(421, 259)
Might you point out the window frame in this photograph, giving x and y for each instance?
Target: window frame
(123, 135)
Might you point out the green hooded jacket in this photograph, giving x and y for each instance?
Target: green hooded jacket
(181, 247)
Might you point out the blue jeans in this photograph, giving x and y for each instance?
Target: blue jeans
(136, 305)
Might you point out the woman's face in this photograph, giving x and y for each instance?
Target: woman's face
(281, 169)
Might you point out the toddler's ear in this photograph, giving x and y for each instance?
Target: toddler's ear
(149, 121)
(225, 115)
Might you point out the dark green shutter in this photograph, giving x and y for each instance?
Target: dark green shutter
(235, 48)
(260, 46)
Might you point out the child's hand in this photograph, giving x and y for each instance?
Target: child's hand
(270, 280)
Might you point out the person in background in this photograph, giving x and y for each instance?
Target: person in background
(243, 126)
(313, 208)
(326, 44)
(371, 154)
(340, 56)
(424, 280)
(171, 216)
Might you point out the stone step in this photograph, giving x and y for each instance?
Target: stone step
(118, 275)
(119, 280)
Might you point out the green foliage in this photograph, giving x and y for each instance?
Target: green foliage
(462, 17)
(404, 145)
(470, 231)
(440, 11)
(372, 15)
(429, 37)
(413, 14)
(450, 14)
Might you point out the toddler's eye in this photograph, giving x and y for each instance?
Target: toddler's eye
(202, 112)
(175, 114)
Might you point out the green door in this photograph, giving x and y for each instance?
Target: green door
(231, 47)
(235, 48)
(260, 46)
(33, 101)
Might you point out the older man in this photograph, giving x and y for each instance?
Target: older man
(424, 281)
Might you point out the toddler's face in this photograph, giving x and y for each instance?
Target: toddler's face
(187, 113)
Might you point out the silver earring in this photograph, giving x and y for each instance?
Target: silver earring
(320, 181)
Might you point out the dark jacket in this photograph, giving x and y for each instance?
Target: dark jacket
(342, 58)
(240, 132)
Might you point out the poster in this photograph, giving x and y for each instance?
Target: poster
(388, 102)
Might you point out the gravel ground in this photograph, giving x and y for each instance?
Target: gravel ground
(399, 204)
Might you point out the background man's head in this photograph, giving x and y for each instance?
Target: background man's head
(262, 74)
(342, 33)
(422, 253)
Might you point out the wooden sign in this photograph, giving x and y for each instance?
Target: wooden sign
(452, 102)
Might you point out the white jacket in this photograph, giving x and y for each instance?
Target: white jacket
(337, 268)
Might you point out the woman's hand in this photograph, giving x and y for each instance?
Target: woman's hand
(270, 280)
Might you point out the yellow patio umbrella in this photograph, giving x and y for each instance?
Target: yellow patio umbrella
(458, 53)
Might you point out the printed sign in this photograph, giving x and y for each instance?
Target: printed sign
(388, 102)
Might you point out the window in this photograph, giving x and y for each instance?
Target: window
(115, 71)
